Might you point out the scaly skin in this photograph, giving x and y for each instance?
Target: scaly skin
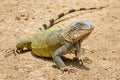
(55, 43)
(44, 43)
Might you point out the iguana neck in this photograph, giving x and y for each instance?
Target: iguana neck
(67, 35)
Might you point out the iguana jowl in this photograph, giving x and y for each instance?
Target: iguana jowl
(54, 43)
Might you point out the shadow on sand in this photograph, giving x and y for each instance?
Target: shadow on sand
(67, 61)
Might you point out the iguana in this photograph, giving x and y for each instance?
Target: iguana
(54, 43)
(57, 42)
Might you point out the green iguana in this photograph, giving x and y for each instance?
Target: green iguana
(57, 42)
(54, 43)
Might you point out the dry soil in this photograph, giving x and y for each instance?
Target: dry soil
(20, 18)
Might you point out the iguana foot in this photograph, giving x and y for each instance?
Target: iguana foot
(9, 51)
(67, 68)
(85, 59)
(82, 59)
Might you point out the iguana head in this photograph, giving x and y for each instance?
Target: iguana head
(78, 30)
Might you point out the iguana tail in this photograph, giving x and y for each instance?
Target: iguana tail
(51, 21)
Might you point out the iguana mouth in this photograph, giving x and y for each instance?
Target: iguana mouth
(87, 28)
(83, 30)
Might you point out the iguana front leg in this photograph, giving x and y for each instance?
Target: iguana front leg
(79, 53)
(59, 52)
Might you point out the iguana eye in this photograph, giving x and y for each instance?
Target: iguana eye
(82, 24)
(77, 25)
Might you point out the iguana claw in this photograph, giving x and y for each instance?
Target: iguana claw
(11, 51)
(19, 50)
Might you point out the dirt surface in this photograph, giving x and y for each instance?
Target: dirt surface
(20, 18)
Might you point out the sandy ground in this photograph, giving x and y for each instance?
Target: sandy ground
(19, 18)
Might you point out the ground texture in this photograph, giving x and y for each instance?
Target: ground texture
(20, 18)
